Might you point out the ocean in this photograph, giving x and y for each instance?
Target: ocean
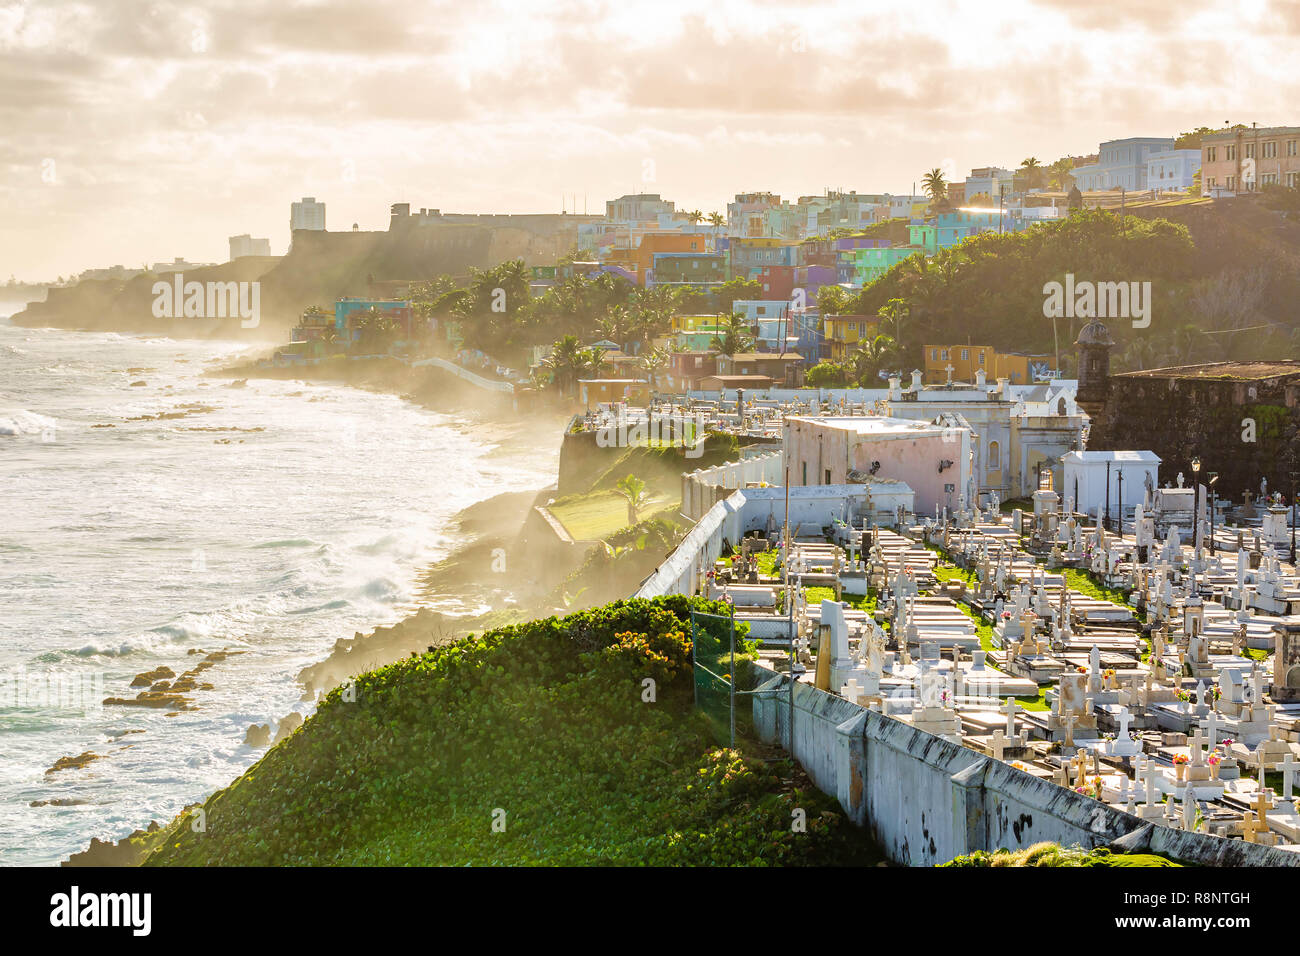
(270, 519)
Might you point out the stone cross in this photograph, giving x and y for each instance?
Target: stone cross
(1250, 827)
(1125, 718)
(1068, 720)
(1150, 773)
(1288, 765)
(999, 745)
(1261, 805)
(1011, 708)
(1212, 728)
(1197, 743)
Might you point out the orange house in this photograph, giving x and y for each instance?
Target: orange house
(653, 242)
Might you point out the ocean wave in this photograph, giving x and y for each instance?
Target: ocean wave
(287, 543)
(23, 422)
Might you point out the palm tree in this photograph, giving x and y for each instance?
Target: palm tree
(565, 363)
(736, 336)
(633, 489)
(935, 185)
(651, 361)
(895, 312)
(1033, 172)
(717, 220)
(694, 217)
(1058, 174)
(871, 357)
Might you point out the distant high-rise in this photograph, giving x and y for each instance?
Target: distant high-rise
(308, 214)
(246, 245)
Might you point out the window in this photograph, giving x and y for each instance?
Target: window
(1292, 180)
(1230, 152)
(981, 357)
(965, 355)
(934, 355)
(1211, 154)
(1250, 150)
(1291, 147)
(1270, 150)
(805, 473)
(995, 457)
(828, 477)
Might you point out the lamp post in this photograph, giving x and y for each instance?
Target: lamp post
(1105, 521)
(1196, 502)
(1294, 501)
(1120, 478)
(1214, 476)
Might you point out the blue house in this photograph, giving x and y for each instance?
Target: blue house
(1121, 163)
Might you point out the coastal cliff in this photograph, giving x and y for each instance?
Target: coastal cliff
(319, 268)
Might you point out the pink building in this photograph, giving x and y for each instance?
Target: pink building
(933, 460)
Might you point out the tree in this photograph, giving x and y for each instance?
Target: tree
(895, 312)
(872, 357)
(633, 489)
(1058, 174)
(694, 217)
(1033, 173)
(935, 185)
(828, 375)
(736, 336)
(652, 361)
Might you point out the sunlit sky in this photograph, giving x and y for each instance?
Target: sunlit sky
(135, 132)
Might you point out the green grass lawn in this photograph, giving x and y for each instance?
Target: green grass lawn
(600, 514)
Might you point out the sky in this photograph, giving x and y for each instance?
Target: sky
(136, 132)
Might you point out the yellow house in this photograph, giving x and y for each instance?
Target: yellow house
(1021, 368)
(844, 333)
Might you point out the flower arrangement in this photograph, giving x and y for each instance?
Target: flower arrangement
(1225, 742)
(1082, 670)
(1214, 759)
(1018, 765)
(1108, 673)
(1182, 695)
(1181, 758)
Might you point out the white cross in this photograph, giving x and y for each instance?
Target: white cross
(1288, 765)
(1011, 708)
(1197, 743)
(999, 745)
(1212, 728)
(1125, 718)
(1150, 774)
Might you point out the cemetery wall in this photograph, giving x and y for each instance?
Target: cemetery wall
(487, 384)
(925, 800)
(702, 488)
(683, 570)
(1180, 417)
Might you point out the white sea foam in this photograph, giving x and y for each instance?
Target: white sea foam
(129, 548)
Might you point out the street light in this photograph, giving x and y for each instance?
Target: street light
(1214, 476)
(1196, 502)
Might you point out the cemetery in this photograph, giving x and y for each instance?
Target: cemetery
(1148, 668)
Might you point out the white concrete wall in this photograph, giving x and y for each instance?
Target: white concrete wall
(491, 385)
(925, 800)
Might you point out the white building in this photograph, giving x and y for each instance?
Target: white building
(1016, 433)
(246, 245)
(1172, 169)
(1092, 475)
(308, 214)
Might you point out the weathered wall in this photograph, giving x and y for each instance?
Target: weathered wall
(925, 800)
(1178, 418)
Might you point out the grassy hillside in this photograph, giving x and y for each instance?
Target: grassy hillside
(542, 729)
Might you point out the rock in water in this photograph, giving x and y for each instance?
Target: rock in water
(259, 735)
(288, 724)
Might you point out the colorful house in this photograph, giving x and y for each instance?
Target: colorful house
(1020, 368)
(700, 269)
(844, 332)
(350, 311)
(870, 264)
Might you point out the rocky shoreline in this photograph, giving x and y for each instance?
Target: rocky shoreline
(472, 598)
